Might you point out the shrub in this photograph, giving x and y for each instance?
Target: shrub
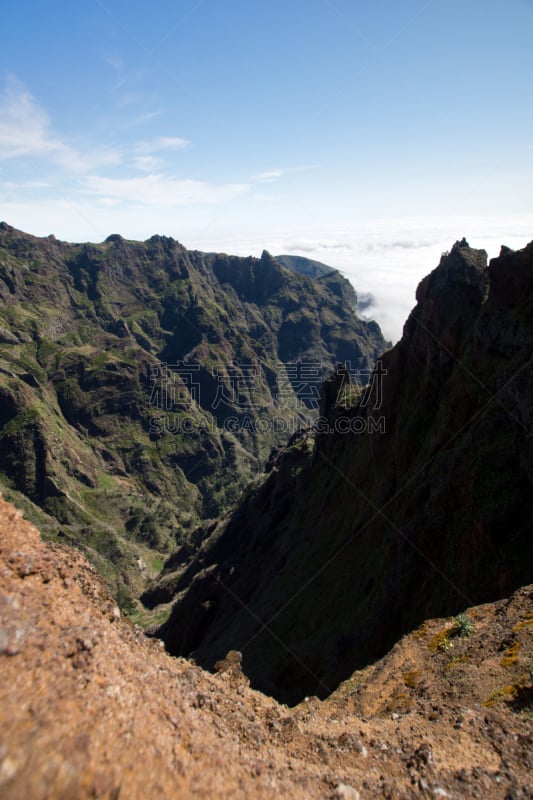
(463, 626)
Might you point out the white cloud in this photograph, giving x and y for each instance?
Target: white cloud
(313, 246)
(25, 126)
(30, 185)
(147, 163)
(399, 245)
(269, 176)
(143, 118)
(162, 143)
(114, 61)
(26, 131)
(109, 202)
(161, 190)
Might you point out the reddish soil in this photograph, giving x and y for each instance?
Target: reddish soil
(91, 708)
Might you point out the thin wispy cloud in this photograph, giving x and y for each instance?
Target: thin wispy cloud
(126, 99)
(26, 185)
(26, 132)
(143, 118)
(114, 61)
(162, 190)
(147, 163)
(162, 143)
(271, 175)
(402, 244)
(25, 128)
(310, 246)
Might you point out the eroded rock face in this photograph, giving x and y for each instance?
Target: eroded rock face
(90, 708)
(355, 539)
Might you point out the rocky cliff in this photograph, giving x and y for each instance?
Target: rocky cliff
(411, 500)
(142, 385)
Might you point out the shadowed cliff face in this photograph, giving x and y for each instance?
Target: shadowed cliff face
(418, 505)
(132, 376)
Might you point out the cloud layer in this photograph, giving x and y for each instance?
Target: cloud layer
(162, 190)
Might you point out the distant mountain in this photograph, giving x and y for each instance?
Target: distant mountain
(142, 385)
(315, 269)
(305, 266)
(413, 499)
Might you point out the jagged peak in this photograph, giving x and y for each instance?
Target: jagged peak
(163, 239)
(268, 259)
(462, 267)
(448, 299)
(459, 245)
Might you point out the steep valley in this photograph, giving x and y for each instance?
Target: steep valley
(359, 534)
(142, 385)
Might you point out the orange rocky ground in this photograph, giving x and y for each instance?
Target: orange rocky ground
(90, 708)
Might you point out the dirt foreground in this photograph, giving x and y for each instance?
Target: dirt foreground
(91, 708)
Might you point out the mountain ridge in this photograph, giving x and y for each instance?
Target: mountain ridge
(305, 266)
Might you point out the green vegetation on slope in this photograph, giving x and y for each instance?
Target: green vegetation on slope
(142, 385)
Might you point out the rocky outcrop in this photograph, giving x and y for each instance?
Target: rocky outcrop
(414, 502)
(89, 708)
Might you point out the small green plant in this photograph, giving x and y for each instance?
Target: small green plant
(441, 641)
(463, 626)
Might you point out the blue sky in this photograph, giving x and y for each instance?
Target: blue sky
(363, 133)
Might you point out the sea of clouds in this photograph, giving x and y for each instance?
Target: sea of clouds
(388, 258)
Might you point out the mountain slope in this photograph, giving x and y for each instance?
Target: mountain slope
(142, 385)
(417, 504)
(316, 269)
(305, 266)
(89, 708)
